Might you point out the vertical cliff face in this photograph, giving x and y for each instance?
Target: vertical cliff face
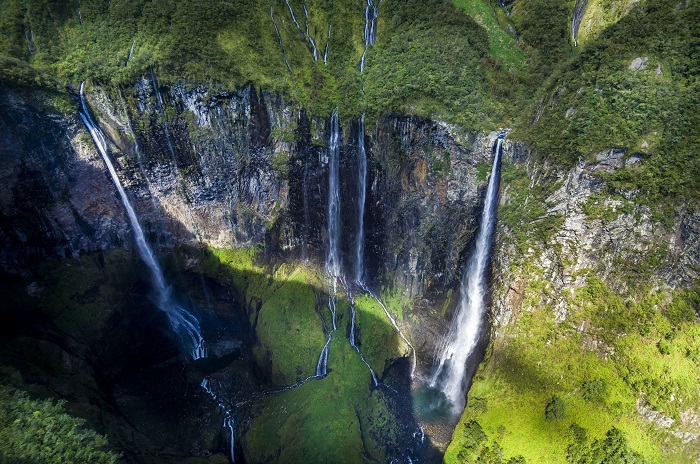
(246, 168)
(56, 199)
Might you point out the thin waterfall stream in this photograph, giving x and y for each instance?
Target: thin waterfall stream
(183, 324)
(450, 376)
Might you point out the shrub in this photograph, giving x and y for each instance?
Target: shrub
(556, 409)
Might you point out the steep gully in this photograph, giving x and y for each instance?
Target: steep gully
(333, 260)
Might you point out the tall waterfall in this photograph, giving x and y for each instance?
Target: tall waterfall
(462, 338)
(333, 247)
(183, 324)
(333, 251)
(361, 198)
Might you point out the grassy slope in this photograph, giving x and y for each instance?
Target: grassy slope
(537, 358)
(502, 46)
(337, 418)
(614, 347)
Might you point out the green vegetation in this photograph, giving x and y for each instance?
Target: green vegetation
(282, 306)
(555, 386)
(633, 86)
(430, 58)
(40, 432)
(335, 419)
(379, 342)
(528, 221)
(556, 409)
(502, 46)
(296, 424)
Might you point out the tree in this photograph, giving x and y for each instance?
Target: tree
(556, 409)
(39, 431)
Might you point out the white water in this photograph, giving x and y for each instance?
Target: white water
(294, 18)
(361, 198)
(308, 35)
(375, 380)
(229, 422)
(131, 52)
(279, 39)
(333, 250)
(322, 364)
(462, 338)
(576, 17)
(183, 324)
(370, 29)
(396, 327)
(328, 39)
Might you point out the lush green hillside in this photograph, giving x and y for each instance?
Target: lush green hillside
(429, 56)
(634, 86)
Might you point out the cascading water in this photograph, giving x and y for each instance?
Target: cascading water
(375, 380)
(291, 12)
(131, 52)
(229, 422)
(279, 40)
(308, 34)
(370, 29)
(333, 249)
(465, 330)
(328, 39)
(576, 17)
(396, 327)
(361, 198)
(183, 324)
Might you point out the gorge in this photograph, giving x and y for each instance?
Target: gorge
(296, 231)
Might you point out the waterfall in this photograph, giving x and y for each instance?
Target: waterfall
(294, 18)
(279, 39)
(361, 197)
(333, 251)
(465, 330)
(396, 327)
(230, 424)
(229, 421)
(370, 29)
(308, 35)
(322, 364)
(375, 380)
(328, 39)
(183, 324)
(576, 18)
(131, 52)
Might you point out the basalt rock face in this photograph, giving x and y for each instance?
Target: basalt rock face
(241, 168)
(610, 234)
(55, 197)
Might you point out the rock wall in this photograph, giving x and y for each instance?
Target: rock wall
(239, 169)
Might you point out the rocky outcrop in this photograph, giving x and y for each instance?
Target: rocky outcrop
(606, 232)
